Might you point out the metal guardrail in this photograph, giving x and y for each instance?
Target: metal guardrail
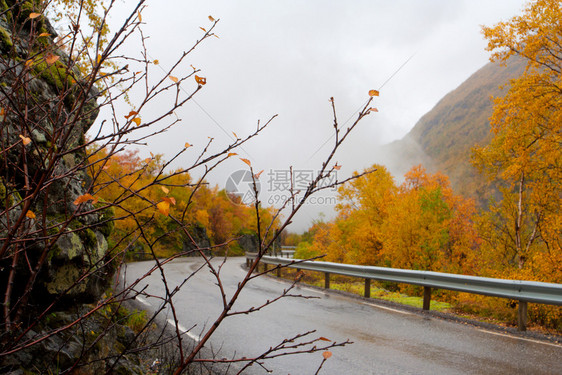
(523, 291)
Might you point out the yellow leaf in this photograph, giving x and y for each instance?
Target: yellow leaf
(28, 63)
(85, 198)
(51, 59)
(246, 161)
(188, 145)
(373, 109)
(34, 15)
(327, 354)
(257, 175)
(137, 120)
(231, 154)
(30, 214)
(151, 154)
(373, 93)
(165, 189)
(175, 79)
(25, 140)
(44, 34)
(203, 29)
(200, 80)
(156, 62)
(132, 113)
(235, 136)
(211, 19)
(164, 208)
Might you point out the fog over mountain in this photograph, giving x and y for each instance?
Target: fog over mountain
(443, 138)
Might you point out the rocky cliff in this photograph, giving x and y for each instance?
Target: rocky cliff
(54, 260)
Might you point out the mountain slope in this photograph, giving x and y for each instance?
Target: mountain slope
(443, 137)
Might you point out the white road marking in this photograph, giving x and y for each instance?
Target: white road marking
(143, 301)
(521, 338)
(387, 308)
(182, 329)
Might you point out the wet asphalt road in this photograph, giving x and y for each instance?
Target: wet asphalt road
(386, 341)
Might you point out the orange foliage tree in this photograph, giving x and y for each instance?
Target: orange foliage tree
(523, 230)
(211, 215)
(420, 224)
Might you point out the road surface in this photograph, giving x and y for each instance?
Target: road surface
(386, 340)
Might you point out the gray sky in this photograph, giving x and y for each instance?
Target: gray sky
(289, 57)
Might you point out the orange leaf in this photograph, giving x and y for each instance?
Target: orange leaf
(188, 145)
(246, 161)
(203, 29)
(200, 80)
(327, 354)
(194, 68)
(211, 19)
(231, 154)
(324, 339)
(140, 17)
(257, 175)
(373, 109)
(137, 120)
(165, 189)
(132, 113)
(164, 208)
(235, 136)
(28, 63)
(30, 214)
(44, 34)
(85, 198)
(337, 167)
(373, 93)
(2, 111)
(170, 200)
(25, 140)
(34, 15)
(156, 62)
(175, 79)
(51, 59)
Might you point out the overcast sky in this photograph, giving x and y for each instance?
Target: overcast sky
(289, 57)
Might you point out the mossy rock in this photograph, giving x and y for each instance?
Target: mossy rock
(5, 40)
(57, 75)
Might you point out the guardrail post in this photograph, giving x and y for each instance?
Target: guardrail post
(278, 270)
(522, 316)
(265, 267)
(367, 288)
(327, 280)
(426, 297)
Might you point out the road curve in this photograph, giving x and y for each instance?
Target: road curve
(386, 341)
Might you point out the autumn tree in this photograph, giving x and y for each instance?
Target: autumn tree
(523, 229)
(428, 227)
(420, 224)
